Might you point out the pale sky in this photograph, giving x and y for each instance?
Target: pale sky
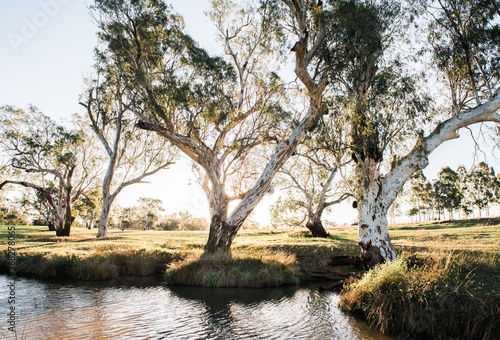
(46, 49)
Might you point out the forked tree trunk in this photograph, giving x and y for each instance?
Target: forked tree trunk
(63, 225)
(68, 221)
(375, 198)
(68, 218)
(221, 236)
(316, 228)
(379, 192)
(59, 224)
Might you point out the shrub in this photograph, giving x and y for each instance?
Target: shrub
(240, 270)
(435, 297)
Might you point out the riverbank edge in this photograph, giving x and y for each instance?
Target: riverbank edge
(262, 270)
(434, 296)
(437, 296)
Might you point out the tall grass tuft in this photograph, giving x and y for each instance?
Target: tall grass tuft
(102, 263)
(437, 297)
(235, 270)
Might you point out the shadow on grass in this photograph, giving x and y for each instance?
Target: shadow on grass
(450, 224)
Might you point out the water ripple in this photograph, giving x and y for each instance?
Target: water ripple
(51, 310)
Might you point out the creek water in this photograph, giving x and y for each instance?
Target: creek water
(144, 308)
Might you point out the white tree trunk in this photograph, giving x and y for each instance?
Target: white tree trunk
(373, 231)
(107, 197)
(379, 192)
(375, 201)
(104, 218)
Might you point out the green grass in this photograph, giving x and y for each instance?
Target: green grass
(241, 270)
(450, 290)
(259, 258)
(446, 284)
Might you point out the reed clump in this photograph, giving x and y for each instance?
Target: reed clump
(438, 296)
(249, 270)
(102, 263)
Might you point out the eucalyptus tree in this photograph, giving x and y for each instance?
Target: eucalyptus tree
(467, 205)
(483, 187)
(309, 189)
(393, 126)
(215, 110)
(421, 194)
(88, 207)
(133, 154)
(316, 178)
(447, 191)
(57, 162)
(150, 210)
(382, 103)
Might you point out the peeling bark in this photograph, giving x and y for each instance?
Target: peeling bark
(374, 203)
(378, 192)
(221, 236)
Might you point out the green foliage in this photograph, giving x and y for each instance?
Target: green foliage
(372, 86)
(143, 38)
(453, 190)
(422, 295)
(447, 190)
(482, 186)
(465, 48)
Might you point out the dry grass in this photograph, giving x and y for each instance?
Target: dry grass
(460, 235)
(239, 269)
(151, 252)
(446, 284)
(260, 258)
(438, 295)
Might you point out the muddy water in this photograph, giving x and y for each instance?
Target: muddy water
(147, 309)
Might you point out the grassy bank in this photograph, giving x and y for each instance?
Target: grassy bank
(263, 258)
(446, 284)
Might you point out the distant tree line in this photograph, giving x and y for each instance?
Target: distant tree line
(148, 215)
(454, 192)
